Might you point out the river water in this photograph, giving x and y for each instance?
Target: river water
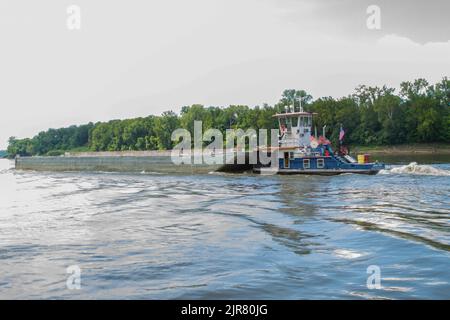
(221, 236)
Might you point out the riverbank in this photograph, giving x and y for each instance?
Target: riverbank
(394, 150)
(405, 150)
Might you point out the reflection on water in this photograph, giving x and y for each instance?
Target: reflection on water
(224, 236)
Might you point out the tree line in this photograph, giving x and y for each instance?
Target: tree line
(419, 113)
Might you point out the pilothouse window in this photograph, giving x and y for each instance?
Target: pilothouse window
(282, 125)
(307, 122)
(289, 124)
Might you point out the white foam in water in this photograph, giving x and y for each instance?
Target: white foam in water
(414, 168)
(348, 254)
(150, 172)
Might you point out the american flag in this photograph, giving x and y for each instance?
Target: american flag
(341, 134)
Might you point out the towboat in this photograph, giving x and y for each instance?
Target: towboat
(300, 152)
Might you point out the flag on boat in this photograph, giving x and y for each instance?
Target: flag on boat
(323, 140)
(341, 134)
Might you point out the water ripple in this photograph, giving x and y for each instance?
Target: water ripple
(225, 236)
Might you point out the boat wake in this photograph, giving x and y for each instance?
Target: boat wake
(414, 168)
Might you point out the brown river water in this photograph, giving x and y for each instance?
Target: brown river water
(224, 236)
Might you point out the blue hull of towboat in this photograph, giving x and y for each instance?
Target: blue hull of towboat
(327, 165)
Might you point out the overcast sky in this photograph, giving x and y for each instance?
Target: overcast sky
(135, 58)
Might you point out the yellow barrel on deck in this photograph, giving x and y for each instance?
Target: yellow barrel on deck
(363, 158)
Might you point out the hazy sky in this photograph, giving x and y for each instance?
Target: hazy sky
(134, 58)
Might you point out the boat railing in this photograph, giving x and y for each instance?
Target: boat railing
(289, 141)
